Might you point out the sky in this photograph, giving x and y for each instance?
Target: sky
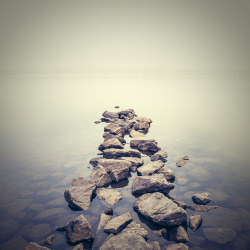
(83, 36)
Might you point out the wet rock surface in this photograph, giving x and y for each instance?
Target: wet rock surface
(109, 195)
(111, 143)
(150, 168)
(179, 246)
(195, 221)
(100, 177)
(35, 246)
(135, 228)
(116, 153)
(168, 173)
(201, 199)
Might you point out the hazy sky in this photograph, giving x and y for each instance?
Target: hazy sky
(76, 35)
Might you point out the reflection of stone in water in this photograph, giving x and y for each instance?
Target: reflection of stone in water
(48, 212)
(56, 202)
(18, 206)
(39, 231)
(217, 195)
(120, 184)
(8, 227)
(17, 243)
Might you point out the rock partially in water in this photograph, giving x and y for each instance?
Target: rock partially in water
(103, 220)
(49, 239)
(195, 221)
(134, 134)
(108, 114)
(149, 184)
(117, 153)
(181, 204)
(79, 196)
(149, 147)
(119, 173)
(160, 209)
(150, 168)
(168, 173)
(134, 143)
(181, 162)
(78, 247)
(179, 246)
(78, 230)
(34, 246)
(201, 199)
(181, 235)
(141, 126)
(100, 177)
(161, 232)
(143, 119)
(201, 208)
(115, 128)
(111, 143)
(108, 136)
(109, 211)
(127, 113)
(134, 160)
(111, 196)
(135, 228)
(118, 223)
(219, 235)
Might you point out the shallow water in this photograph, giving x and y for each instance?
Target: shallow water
(48, 136)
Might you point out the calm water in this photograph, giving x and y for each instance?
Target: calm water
(48, 136)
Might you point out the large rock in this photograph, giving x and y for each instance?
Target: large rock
(179, 246)
(111, 196)
(108, 114)
(160, 209)
(181, 235)
(116, 153)
(118, 223)
(195, 221)
(201, 199)
(79, 196)
(149, 184)
(219, 235)
(110, 164)
(119, 173)
(168, 173)
(78, 230)
(141, 126)
(149, 147)
(135, 228)
(100, 177)
(34, 246)
(150, 168)
(111, 143)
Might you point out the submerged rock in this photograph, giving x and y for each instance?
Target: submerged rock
(111, 196)
(119, 173)
(201, 199)
(135, 228)
(100, 177)
(181, 162)
(195, 221)
(149, 184)
(179, 246)
(160, 209)
(49, 239)
(168, 173)
(116, 153)
(34, 246)
(201, 208)
(78, 230)
(111, 143)
(150, 168)
(118, 223)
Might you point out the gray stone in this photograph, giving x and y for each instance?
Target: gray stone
(119, 173)
(109, 164)
(141, 126)
(155, 245)
(134, 143)
(118, 223)
(160, 209)
(160, 232)
(116, 153)
(134, 134)
(135, 228)
(49, 239)
(201, 199)
(168, 173)
(179, 246)
(149, 146)
(181, 235)
(111, 196)
(111, 143)
(181, 162)
(156, 157)
(100, 177)
(108, 136)
(150, 168)
(201, 208)
(149, 184)
(109, 211)
(134, 160)
(108, 114)
(34, 246)
(103, 220)
(181, 204)
(115, 128)
(219, 235)
(195, 221)
(78, 247)
(79, 229)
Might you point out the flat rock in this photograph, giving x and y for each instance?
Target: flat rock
(135, 228)
(115, 128)
(34, 246)
(79, 196)
(134, 134)
(160, 209)
(108, 136)
(134, 143)
(111, 196)
(111, 143)
(116, 153)
(149, 147)
(108, 114)
(179, 246)
(78, 230)
(109, 164)
(168, 173)
(134, 160)
(103, 220)
(195, 221)
(181, 162)
(141, 126)
(118, 223)
(100, 177)
(201, 199)
(150, 168)
(181, 204)
(156, 157)
(143, 119)
(201, 208)
(119, 173)
(149, 184)
(219, 235)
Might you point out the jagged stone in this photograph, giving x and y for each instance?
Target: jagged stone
(149, 146)
(111, 143)
(108, 136)
(34, 246)
(119, 173)
(201, 208)
(141, 126)
(181, 235)
(134, 143)
(100, 177)
(134, 134)
(128, 113)
(179, 246)
(168, 173)
(135, 228)
(49, 239)
(103, 220)
(134, 160)
(150, 168)
(195, 221)
(117, 153)
(109, 195)
(143, 119)
(201, 199)
(115, 128)
(108, 114)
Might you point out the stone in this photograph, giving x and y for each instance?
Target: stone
(103, 220)
(115, 128)
(62, 228)
(160, 209)
(117, 107)
(195, 221)
(219, 235)
(201, 208)
(108, 114)
(49, 239)
(119, 173)
(134, 143)
(149, 184)
(111, 143)
(126, 241)
(156, 157)
(34, 246)
(134, 134)
(134, 160)
(141, 126)
(149, 146)
(155, 245)
(109, 164)
(135, 228)
(116, 224)
(186, 157)
(78, 247)
(181, 235)
(128, 113)
(181, 162)
(109, 211)
(79, 196)
(181, 204)
(150, 168)
(116, 153)
(168, 173)
(160, 232)
(108, 136)
(179, 246)
(109, 195)
(100, 177)
(143, 119)
(201, 199)
(97, 122)
(39, 231)
(79, 229)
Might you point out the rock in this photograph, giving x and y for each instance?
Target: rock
(181, 204)
(201, 199)
(149, 184)
(143, 119)
(108, 136)
(219, 235)
(160, 209)
(135, 228)
(160, 232)
(141, 126)
(155, 245)
(186, 157)
(126, 241)
(168, 173)
(119, 173)
(111, 196)
(116, 153)
(49, 239)
(128, 113)
(109, 211)
(150, 168)
(117, 107)
(100, 177)
(103, 220)
(109, 164)
(201, 208)
(134, 143)
(134, 134)
(181, 235)
(105, 119)
(110, 114)
(149, 146)
(118, 223)
(79, 229)
(115, 128)
(134, 160)
(181, 162)
(34, 246)
(111, 143)
(156, 157)
(78, 247)
(179, 246)
(79, 196)
(63, 228)
(97, 122)
(194, 222)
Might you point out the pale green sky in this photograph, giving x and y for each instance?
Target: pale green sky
(78, 35)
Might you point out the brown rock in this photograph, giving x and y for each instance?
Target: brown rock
(111, 196)
(100, 177)
(150, 168)
(111, 143)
